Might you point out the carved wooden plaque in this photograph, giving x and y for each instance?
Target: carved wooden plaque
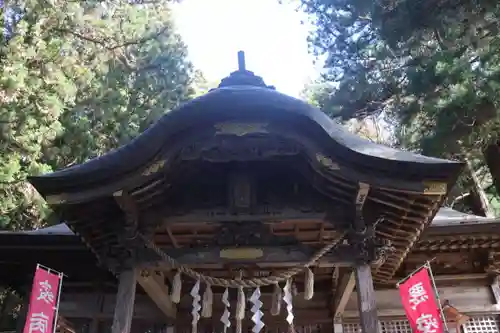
(241, 253)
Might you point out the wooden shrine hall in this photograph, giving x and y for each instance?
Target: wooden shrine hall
(465, 247)
(244, 209)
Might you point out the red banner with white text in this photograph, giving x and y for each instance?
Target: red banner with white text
(43, 302)
(419, 302)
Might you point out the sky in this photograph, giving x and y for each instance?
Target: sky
(271, 34)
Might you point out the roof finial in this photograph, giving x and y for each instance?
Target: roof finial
(241, 61)
(243, 77)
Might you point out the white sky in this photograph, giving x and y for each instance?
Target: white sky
(271, 34)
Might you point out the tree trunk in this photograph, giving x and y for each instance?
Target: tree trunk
(492, 158)
(479, 200)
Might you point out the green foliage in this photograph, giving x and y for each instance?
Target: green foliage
(76, 80)
(431, 69)
(315, 92)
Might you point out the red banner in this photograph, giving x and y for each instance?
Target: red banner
(419, 302)
(43, 301)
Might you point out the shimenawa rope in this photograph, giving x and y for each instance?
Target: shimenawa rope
(245, 283)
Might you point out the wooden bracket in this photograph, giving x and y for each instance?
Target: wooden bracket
(129, 208)
(343, 293)
(153, 283)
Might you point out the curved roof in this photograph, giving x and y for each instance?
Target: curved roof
(246, 121)
(246, 103)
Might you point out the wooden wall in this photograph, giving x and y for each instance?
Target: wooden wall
(472, 299)
(469, 300)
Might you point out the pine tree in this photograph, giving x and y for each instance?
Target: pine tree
(430, 68)
(76, 80)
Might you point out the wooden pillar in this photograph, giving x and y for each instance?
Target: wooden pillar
(495, 289)
(124, 307)
(94, 325)
(366, 299)
(364, 283)
(96, 322)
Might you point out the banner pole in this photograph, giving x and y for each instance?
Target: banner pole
(50, 270)
(436, 294)
(59, 291)
(414, 271)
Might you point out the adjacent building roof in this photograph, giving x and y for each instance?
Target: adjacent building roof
(447, 216)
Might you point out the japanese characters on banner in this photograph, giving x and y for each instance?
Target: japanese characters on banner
(43, 301)
(419, 302)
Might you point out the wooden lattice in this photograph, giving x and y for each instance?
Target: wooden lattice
(482, 324)
(477, 324)
(385, 326)
(395, 326)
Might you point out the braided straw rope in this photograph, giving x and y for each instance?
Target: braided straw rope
(245, 283)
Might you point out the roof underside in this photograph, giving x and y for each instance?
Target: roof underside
(450, 235)
(253, 106)
(292, 151)
(445, 217)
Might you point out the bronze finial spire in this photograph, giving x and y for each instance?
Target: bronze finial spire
(241, 61)
(243, 77)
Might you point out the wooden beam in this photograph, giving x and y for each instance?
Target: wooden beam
(451, 278)
(302, 316)
(470, 310)
(285, 255)
(366, 299)
(124, 307)
(153, 284)
(495, 288)
(223, 215)
(343, 293)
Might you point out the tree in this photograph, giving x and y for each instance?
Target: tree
(431, 69)
(316, 92)
(202, 85)
(76, 80)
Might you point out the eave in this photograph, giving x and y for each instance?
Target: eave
(407, 188)
(255, 106)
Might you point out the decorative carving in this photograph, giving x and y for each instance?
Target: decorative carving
(249, 234)
(370, 248)
(493, 263)
(327, 162)
(343, 255)
(242, 253)
(258, 213)
(240, 129)
(435, 188)
(219, 149)
(241, 191)
(154, 168)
